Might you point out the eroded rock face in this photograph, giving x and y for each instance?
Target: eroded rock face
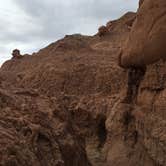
(36, 130)
(102, 31)
(145, 44)
(137, 130)
(66, 105)
(55, 102)
(136, 126)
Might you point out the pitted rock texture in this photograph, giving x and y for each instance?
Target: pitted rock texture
(35, 130)
(66, 104)
(54, 103)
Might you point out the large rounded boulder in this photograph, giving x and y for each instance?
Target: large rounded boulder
(146, 42)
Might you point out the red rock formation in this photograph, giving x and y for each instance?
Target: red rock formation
(65, 106)
(102, 31)
(36, 130)
(16, 54)
(60, 108)
(145, 44)
(141, 2)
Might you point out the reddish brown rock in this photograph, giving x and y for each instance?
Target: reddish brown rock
(55, 108)
(141, 2)
(65, 105)
(37, 131)
(16, 54)
(145, 44)
(102, 31)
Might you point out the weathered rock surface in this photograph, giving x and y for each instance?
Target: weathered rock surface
(146, 42)
(137, 131)
(65, 105)
(36, 130)
(57, 101)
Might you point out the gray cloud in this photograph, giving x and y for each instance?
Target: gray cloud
(36, 23)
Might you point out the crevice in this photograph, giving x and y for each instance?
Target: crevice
(127, 118)
(135, 76)
(130, 133)
(102, 132)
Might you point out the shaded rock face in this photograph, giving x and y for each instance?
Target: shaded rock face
(36, 130)
(71, 104)
(136, 130)
(145, 44)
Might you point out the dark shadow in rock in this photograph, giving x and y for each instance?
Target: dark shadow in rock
(102, 132)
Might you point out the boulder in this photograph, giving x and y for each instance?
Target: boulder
(103, 30)
(146, 42)
(16, 54)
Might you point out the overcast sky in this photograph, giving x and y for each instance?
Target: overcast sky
(32, 24)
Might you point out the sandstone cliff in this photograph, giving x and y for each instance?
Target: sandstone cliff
(65, 105)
